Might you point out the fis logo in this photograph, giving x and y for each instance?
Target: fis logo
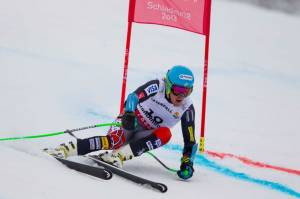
(153, 88)
(176, 115)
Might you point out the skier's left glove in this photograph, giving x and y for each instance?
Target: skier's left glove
(129, 121)
(186, 168)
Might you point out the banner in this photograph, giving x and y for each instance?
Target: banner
(190, 15)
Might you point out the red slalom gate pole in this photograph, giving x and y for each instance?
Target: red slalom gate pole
(205, 74)
(204, 94)
(127, 50)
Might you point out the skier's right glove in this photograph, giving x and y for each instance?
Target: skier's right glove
(129, 121)
(186, 168)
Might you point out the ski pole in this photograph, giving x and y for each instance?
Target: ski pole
(69, 131)
(160, 162)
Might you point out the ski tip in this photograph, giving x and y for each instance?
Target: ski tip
(109, 175)
(161, 187)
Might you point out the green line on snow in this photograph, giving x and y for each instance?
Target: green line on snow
(59, 133)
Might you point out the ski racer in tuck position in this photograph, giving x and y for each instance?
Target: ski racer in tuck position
(150, 111)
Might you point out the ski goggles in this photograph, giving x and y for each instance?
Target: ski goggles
(181, 91)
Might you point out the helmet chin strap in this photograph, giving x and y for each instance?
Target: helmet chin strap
(168, 96)
(167, 91)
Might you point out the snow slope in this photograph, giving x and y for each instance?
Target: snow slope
(61, 67)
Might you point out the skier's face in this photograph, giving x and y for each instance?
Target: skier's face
(176, 99)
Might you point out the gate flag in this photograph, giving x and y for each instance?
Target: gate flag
(188, 15)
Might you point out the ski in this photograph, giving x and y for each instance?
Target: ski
(99, 172)
(129, 176)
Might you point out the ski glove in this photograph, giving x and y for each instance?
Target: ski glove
(186, 168)
(129, 121)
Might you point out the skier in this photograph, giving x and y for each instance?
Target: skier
(150, 111)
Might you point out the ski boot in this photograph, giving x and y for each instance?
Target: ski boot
(118, 156)
(63, 150)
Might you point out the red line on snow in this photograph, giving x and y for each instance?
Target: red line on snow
(252, 162)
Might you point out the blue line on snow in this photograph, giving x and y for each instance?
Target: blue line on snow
(203, 161)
